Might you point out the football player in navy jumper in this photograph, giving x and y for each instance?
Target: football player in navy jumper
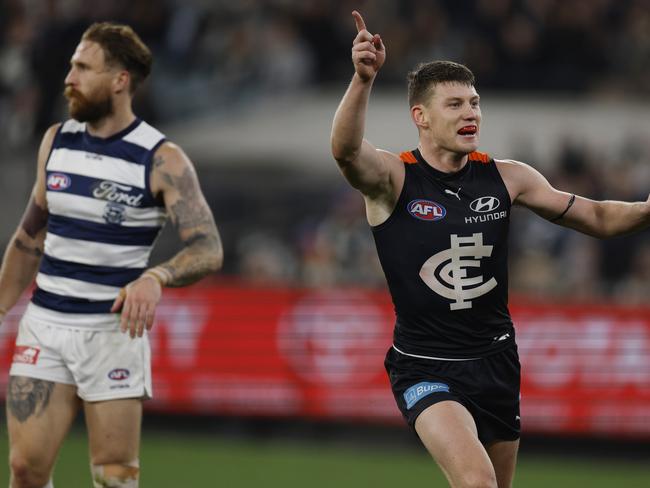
(439, 216)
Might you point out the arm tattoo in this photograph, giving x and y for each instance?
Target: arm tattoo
(202, 249)
(34, 219)
(158, 161)
(27, 395)
(21, 246)
(200, 256)
(188, 211)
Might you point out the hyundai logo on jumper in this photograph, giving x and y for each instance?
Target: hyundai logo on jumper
(485, 204)
(58, 181)
(426, 210)
(419, 391)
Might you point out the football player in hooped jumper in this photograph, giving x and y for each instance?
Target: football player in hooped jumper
(106, 182)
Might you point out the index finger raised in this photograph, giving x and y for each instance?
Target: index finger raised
(358, 20)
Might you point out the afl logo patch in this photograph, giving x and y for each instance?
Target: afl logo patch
(426, 210)
(58, 181)
(119, 374)
(485, 204)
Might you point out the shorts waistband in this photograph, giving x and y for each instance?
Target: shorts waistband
(433, 357)
(53, 318)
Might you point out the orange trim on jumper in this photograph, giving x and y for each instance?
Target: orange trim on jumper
(479, 156)
(408, 157)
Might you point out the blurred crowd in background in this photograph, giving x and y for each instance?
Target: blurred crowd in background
(215, 56)
(223, 52)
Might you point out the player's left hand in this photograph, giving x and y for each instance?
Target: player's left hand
(137, 302)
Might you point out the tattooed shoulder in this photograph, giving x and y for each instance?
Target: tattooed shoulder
(158, 161)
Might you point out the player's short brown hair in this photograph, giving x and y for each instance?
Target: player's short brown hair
(121, 45)
(426, 75)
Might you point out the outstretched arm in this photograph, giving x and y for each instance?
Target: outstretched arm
(601, 219)
(366, 168)
(173, 177)
(23, 254)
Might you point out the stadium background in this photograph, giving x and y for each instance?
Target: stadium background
(271, 373)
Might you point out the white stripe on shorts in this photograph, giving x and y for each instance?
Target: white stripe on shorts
(433, 358)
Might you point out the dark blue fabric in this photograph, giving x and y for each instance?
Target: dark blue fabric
(103, 233)
(69, 305)
(101, 275)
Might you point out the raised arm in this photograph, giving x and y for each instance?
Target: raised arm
(601, 219)
(366, 168)
(173, 176)
(25, 249)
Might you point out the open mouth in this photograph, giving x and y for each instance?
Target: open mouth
(468, 130)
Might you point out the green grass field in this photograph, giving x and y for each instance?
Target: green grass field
(184, 461)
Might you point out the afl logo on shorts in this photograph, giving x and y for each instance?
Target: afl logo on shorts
(58, 181)
(119, 374)
(426, 210)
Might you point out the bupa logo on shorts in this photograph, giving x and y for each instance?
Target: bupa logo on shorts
(417, 392)
(485, 204)
(26, 354)
(426, 210)
(119, 374)
(58, 181)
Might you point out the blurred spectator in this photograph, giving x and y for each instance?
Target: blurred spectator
(339, 248)
(265, 260)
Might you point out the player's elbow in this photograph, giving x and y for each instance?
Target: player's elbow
(345, 155)
(604, 226)
(216, 263)
(213, 256)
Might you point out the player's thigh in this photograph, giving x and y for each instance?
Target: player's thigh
(449, 433)
(503, 455)
(39, 414)
(114, 430)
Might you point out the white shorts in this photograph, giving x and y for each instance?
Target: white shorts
(103, 364)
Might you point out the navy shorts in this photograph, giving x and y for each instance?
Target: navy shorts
(488, 387)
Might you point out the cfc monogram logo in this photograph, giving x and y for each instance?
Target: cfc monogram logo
(446, 272)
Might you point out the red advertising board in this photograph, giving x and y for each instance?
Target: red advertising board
(230, 350)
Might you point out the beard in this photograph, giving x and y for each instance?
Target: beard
(88, 109)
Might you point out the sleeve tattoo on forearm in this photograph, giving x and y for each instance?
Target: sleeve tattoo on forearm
(190, 213)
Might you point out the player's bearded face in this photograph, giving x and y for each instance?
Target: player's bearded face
(91, 107)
